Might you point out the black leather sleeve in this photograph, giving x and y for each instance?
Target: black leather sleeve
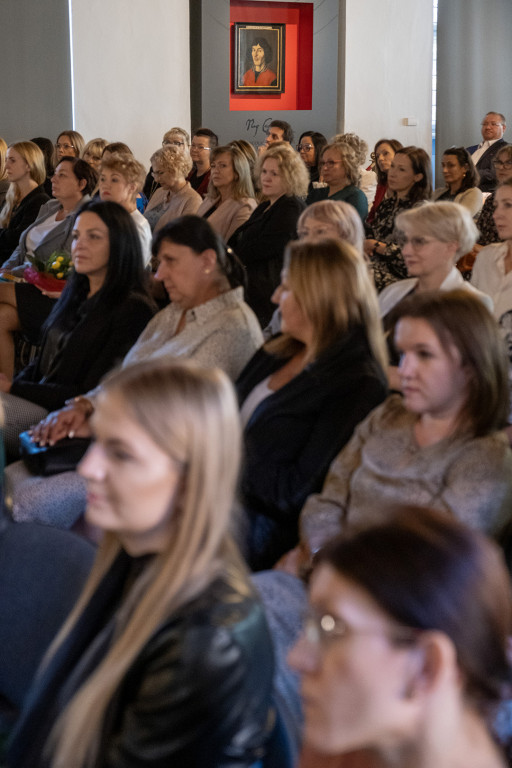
(198, 696)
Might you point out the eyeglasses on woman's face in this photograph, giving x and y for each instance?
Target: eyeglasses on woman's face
(328, 163)
(62, 145)
(502, 164)
(173, 143)
(305, 147)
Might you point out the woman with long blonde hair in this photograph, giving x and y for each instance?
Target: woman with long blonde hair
(303, 393)
(166, 658)
(26, 172)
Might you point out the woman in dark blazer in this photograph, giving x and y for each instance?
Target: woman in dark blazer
(102, 311)
(304, 392)
(261, 241)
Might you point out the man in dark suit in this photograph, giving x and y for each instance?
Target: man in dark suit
(483, 154)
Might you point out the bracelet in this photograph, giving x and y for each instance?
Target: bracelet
(82, 402)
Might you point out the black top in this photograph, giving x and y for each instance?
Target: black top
(260, 244)
(197, 695)
(294, 434)
(22, 217)
(74, 359)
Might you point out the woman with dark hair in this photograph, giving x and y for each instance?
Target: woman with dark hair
(461, 179)
(303, 393)
(207, 320)
(48, 150)
(410, 183)
(166, 658)
(103, 309)
(310, 146)
(384, 152)
(22, 306)
(405, 649)
(258, 58)
(441, 444)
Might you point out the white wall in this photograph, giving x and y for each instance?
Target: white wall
(388, 70)
(131, 70)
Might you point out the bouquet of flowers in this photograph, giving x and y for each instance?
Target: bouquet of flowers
(49, 275)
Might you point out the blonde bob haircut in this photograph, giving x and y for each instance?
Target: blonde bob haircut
(95, 148)
(349, 159)
(242, 184)
(191, 414)
(34, 158)
(128, 167)
(339, 214)
(177, 133)
(294, 174)
(444, 221)
(174, 160)
(332, 286)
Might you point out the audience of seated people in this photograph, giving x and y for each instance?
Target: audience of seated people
(324, 453)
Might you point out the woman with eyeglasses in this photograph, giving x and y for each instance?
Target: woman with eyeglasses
(461, 179)
(203, 141)
(503, 169)
(404, 657)
(175, 198)
(68, 144)
(339, 167)
(93, 151)
(310, 146)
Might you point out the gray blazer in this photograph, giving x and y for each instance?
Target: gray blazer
(58, 239)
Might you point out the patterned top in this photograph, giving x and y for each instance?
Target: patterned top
(486, 225)
(383, 466)
(389, 266)
(222, 332)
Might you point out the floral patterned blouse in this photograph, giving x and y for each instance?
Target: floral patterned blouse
(485, 223)
(389, 266)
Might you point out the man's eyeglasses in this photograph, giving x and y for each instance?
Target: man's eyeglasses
(199, 147)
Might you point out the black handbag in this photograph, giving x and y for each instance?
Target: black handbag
(46, 460)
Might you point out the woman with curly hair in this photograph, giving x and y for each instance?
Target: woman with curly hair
(339, 166)
(261, 241)
(175, 197)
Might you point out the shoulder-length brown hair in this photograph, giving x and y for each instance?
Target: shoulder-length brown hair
(459, 319)
(421, 163)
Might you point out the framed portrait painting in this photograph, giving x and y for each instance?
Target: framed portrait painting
(258, 63)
